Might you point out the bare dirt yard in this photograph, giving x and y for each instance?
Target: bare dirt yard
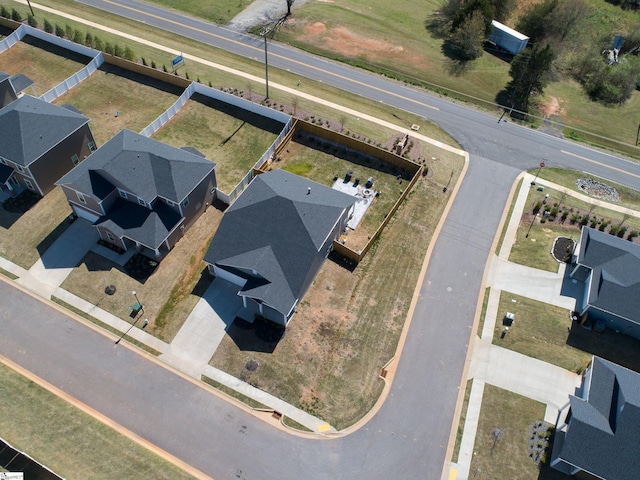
(114, 99)
(44, 63)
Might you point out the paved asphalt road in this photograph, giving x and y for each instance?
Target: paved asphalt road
(407, 438)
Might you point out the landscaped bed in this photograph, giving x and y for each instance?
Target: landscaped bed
(44, 63)
(348, 324)
(114, 99)
(232, 137)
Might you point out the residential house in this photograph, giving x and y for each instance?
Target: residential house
(11, 86)
(140, 193)
(609, 269)
(598, 431)
(273, 240)
(40, 142)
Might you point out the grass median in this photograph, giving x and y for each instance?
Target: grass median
(68, 441)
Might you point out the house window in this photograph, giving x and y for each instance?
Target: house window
(122, 193)
(170, 203)
(92, 146)
(75, 159)
(81, 198)
(28, 184)
(111, 237)
(19, 168)
(185, 202)
(142, 202)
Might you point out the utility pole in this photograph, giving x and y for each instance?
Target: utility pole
(264, 34)
(31, 8)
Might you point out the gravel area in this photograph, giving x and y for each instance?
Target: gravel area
(262, 12)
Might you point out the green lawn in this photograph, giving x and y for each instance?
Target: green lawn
(463, 417)
(218, 11)
(540, 331)
(70, 442)
(501, 447)
(233, 138)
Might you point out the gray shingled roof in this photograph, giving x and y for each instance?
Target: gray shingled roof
(276, 228)
(20, 82)
(140, 165)
(30, 127)
(603, 436)
(149, 227)
(615, 283)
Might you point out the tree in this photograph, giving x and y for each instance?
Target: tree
(529, 72)
(534, 22)
(88, 40)
(502, 9)
(15, 15)
(128, 54)
(289, 4)
(31, 20)
(468, 38)
(47, 26)
(59, 31)
(467, 10)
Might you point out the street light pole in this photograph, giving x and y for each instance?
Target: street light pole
(135, 295)
(144, 325)
(538, 173)
(534, 219)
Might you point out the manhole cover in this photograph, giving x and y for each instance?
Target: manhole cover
(251, 365)
(110, 289)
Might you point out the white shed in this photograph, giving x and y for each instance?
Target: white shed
(507, 38)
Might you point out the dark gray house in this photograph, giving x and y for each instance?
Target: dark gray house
(140, 193)
(39, 143)
(273, 240)
(609, 268)
(11, 86)
(598, 431)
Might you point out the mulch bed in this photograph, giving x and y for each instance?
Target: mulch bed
(563, 249)
(140, 267)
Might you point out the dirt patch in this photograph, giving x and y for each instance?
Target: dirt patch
(553, 106)
(345, 42)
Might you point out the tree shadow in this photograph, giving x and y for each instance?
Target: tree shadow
(260, 336)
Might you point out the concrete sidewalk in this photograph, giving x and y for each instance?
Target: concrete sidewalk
(503, 368)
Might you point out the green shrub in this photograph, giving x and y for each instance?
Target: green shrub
(98, 44)
(108, 48)
(77, 37)
(88, 40)
(144, 62)
(47, 26)
(31, 20)
(622, 231)
(68, 32)
(59, 31)
(153, 64)
(632, 234)
(15, 15)
(614, 229)
(4, 12)
(128, 54)
(164, 68)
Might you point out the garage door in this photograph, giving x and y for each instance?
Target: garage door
(82, 213)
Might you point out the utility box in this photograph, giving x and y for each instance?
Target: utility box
(507, 38)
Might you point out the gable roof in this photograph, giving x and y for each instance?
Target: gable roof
(140, 165)
(31, 127)
(276, 228)
(603, 436)
(615, 281)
